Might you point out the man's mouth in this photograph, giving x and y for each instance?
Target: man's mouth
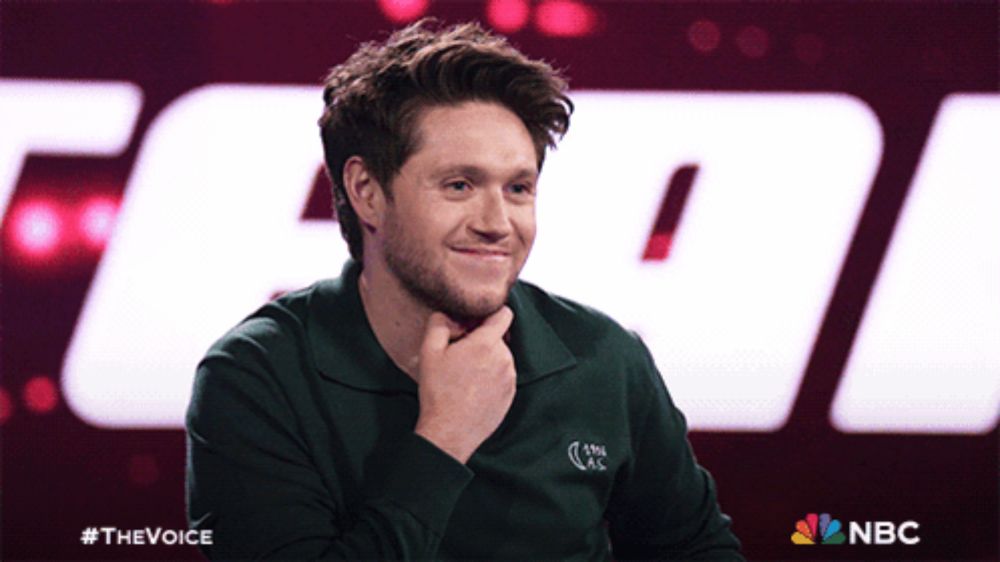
(485, 253)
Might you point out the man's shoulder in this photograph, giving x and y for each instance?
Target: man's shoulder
(581, 327)
(279, 324)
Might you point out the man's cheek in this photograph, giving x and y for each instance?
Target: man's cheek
(526, 228)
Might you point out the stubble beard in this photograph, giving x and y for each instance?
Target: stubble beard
(430, 286)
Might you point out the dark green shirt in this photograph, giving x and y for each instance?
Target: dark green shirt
(301, 446)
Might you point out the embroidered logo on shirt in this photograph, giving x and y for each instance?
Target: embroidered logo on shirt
(588, 456)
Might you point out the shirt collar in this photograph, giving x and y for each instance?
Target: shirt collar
(346, 350)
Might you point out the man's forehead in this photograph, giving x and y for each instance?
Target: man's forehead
(464, 137)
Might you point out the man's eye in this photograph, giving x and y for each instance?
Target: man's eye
(458, 186)
(520, 188)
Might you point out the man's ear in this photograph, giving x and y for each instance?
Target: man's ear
(366, 195)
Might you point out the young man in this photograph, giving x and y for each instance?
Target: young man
(426, 404)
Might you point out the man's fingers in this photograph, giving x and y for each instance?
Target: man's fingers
(495, 325)
(436, 333)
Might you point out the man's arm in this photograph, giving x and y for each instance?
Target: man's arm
(664, 504)
(251, 479)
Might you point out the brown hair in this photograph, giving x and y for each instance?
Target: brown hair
(372, 99)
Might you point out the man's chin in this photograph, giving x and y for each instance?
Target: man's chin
(472, 310)
(471, 316)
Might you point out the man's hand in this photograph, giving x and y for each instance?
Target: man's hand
(465, 387)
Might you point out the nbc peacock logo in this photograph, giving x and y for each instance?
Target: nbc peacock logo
(819, 529)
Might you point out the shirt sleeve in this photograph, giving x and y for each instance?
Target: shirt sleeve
(251, 480)
(664, 504)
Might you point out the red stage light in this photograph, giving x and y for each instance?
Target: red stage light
(40, 395)
(6, 406)
(704, 36)
(565, 18)
(402, 11)
(753, 42)
(97, 220)
(37, 228)
(508, 16)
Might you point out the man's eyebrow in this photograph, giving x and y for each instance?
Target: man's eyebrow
(477, 173)
(526, 174)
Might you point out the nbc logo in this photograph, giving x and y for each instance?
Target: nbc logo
(818, 530)
(822, 529)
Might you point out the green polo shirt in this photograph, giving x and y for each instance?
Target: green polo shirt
(301, 446)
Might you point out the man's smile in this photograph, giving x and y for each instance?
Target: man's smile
(492, 254)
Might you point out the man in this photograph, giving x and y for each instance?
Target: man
(426, 404)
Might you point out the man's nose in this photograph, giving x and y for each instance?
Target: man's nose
(491, 218)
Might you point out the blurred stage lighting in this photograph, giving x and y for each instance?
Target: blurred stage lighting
(40, 395)
(565, 18)
(508, 16)
(753, 42)
(37, 228)
(97, 220)
(704, 36)
(403, 11)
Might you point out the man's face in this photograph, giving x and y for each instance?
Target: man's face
(462, 217)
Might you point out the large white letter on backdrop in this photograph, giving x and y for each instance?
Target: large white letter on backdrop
(927, 354)
(731, 315)
(209, 229)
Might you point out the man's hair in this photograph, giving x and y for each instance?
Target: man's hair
(372, 100)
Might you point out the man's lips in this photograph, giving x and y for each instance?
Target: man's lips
(483, 252)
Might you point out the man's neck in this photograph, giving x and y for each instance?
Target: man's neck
(396, 317)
